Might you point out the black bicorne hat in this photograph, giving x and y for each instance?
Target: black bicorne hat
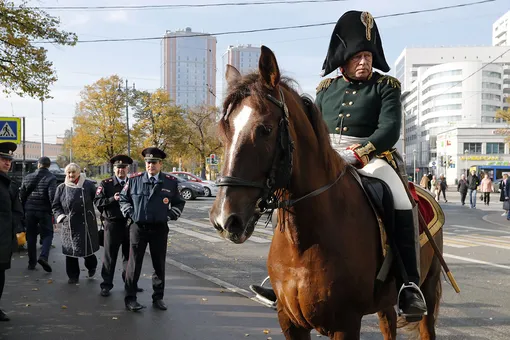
(354, 32)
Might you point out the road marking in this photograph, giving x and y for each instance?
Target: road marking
(482, 229)
(210, 227)
(468, 259)
(195, 234)
(446, 243)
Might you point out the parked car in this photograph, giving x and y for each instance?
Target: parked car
(189, 190)
(210, 188)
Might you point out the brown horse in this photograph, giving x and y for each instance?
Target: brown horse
(326, 253)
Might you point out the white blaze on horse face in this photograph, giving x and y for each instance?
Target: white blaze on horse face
(240, 123)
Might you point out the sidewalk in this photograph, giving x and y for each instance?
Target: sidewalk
(44, 306)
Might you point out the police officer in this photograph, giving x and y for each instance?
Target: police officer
(116, 232)
(149, 199)
(11, 213)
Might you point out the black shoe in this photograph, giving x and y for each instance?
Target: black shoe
(133, 306)
(411, 305)
(31, 267)
(92, 272)
(46, 266)
(159, 304)
(72, 281)
(105, 292)
(139, 290)
(266, 293)
(3, 316)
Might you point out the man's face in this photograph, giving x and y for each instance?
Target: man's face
(359, 66)
(153, 167)
(72, 175)
(121, 172)
(5, 164)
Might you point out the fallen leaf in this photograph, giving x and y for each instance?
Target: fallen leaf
(269, 338)
(35, 288)
(247, 334)
(27, 305)
(26, 276)
(21, 257)
(266, 331)
(204, 299)
(114, 318)
(222, 291)
(50, 281)
(64, 307)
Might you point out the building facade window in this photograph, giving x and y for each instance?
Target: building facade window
(441, 86)
(492, 86)
(443, 74)
(491, 74)
(473, 148)
(491, 96)
(449, 107)
(442, 97)
(495, 148)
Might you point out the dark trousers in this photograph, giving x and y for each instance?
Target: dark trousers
(486, 197)
(156, 236)
(444, 194)
(116, 235)
(463, 195)
(38, 221)
(73, 267)
(2, 282)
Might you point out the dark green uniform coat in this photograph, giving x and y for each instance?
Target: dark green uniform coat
(368, 109)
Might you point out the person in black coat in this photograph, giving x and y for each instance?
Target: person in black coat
(37, 193)
(11, 213)
(116, 233)
(73, 208)
(462, 187)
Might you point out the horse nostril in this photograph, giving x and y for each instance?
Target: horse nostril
(234, 224)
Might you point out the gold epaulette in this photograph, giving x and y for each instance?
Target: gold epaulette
(393, 82)
(324, 84)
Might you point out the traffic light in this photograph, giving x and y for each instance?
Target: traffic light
(213, 159)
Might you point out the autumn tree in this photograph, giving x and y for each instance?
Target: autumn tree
(505, 114)
(24, 67)
(202, 138)
(100, 126)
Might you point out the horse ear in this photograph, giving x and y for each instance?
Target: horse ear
(268, 67)
(232, 75)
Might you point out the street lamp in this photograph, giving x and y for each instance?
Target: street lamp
(467, 170)
(414, 164)
(126, 93)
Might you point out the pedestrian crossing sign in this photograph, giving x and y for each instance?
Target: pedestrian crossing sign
(10, 129)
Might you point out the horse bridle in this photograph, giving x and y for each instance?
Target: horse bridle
(281, 169)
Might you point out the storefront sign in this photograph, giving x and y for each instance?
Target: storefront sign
(480, 158)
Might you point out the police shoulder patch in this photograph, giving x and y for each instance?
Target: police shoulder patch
(170, 177)
(393, 82)
(135, 174)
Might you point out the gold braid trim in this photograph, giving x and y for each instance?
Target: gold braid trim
(393, 82)
(363, 152)
(324, 84)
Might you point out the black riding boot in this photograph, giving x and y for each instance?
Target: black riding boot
(411, 302)
(266, 293)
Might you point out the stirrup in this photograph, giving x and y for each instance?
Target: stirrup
(400, 312)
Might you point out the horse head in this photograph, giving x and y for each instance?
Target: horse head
(260, 140)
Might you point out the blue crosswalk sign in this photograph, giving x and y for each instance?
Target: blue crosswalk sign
(10, 129)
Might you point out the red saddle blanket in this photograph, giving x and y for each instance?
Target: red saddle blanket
(429, 209)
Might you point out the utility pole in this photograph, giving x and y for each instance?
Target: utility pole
(24, 164)
(42, 127)
(71, 147)
(126, 93)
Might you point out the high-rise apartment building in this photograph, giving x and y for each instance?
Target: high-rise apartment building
(189, 67)
(501, 31)
(245, 58)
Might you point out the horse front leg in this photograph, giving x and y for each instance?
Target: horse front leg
(350, 329)
(388, 323)
(291, 331)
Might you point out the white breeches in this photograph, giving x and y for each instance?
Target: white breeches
(377, 168)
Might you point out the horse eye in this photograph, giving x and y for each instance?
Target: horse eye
(265, 130)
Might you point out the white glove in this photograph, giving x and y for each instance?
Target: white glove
(349, 157)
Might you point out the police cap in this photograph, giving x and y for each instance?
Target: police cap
(121, 161)
(7, 150)
(153, 154)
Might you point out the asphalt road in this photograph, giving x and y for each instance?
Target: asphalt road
(207, 287)
(477, 249)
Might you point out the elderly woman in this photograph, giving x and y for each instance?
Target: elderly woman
(73, 208)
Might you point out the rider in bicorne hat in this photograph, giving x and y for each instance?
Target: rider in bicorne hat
(362, 110)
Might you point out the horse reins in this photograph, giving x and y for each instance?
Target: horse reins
(281, 169)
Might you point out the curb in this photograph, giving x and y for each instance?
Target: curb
(486, 219)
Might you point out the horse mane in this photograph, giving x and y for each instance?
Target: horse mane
(252, 84)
